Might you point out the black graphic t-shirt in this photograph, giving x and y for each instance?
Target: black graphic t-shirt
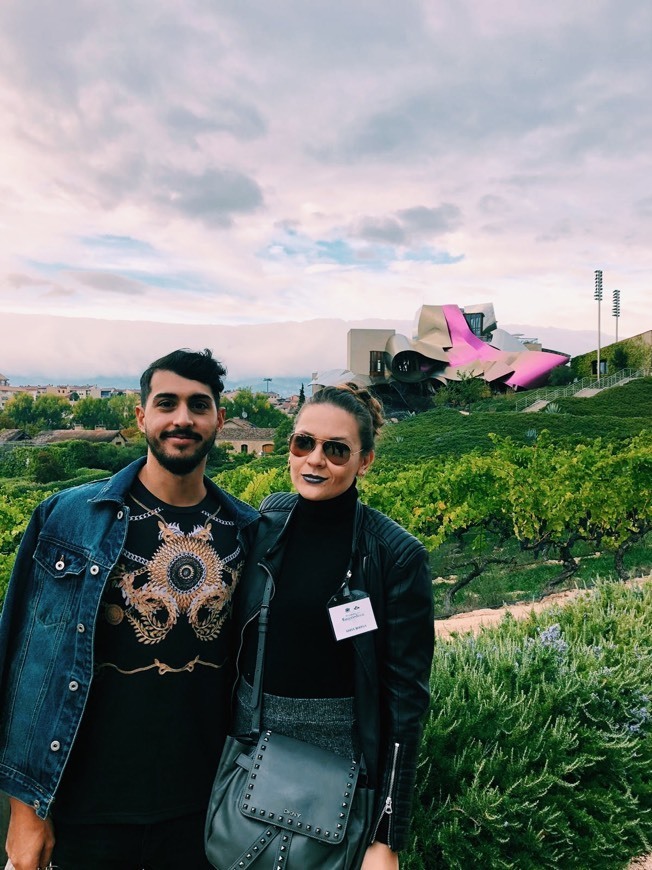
(157, 713)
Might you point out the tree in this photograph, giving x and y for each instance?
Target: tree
(52, 412)
(93, 413)
(302, 397)
(123, 407)
(619, 358)
(20, 411)
(462, 393)
(254, 407)
(561, 376)
(283, 431)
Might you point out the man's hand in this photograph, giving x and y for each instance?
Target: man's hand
(380, 857)
(30, 840)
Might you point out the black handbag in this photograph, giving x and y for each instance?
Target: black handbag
(278, 802)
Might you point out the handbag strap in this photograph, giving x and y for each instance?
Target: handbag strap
(257, 693)
(257, 690)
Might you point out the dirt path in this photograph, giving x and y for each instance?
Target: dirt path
(462, 623)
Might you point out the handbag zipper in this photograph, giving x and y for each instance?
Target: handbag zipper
(388, 808)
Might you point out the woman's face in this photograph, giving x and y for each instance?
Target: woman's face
(314, 476)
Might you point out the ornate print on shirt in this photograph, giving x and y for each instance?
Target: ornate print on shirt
(183, 578)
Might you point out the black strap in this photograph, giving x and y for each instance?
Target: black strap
(257, 694)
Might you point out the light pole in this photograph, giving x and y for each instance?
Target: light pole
(598, 297)
(267, 380)
(616, 310)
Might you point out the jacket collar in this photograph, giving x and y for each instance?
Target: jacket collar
(116, 488)
(272, 551)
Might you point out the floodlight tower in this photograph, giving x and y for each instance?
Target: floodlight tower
(267, 380)
(598, 297)
(616, 309)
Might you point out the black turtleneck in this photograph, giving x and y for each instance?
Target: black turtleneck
(303, 659)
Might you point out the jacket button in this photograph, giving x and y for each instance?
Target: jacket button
(94, 570)
(120, 514)
(55, 746)
(60, 565)
(81, 628)
(36, 804)
(73, 685)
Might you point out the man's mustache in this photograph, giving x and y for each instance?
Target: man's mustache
(181, 433)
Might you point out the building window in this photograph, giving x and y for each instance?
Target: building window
(244, 448)
(604, 366)
(376, 363)
(407, 363)
(474, 322)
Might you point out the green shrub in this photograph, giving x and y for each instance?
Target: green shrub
(256, 480)
(15, 511)
(46, 465)
(537, 751)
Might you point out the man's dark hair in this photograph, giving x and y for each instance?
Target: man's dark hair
(194, 365)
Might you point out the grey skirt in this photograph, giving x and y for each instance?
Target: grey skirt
(325, 722)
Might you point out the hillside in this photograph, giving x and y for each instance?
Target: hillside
(633, 399)
(615, 414)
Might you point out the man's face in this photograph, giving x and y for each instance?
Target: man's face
(180, 421)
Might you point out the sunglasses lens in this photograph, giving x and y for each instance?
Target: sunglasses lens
(302, 445)
(337, 452)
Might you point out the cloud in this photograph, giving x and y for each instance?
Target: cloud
(226, 163)
(387, 229)
(374, 245)
(19, 281)
(431, 221)
(243, 121)
(408, 225)
(213, 196)
(107, 282)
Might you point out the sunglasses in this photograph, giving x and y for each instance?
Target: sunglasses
(335, 451)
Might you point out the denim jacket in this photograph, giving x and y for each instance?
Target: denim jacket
(47, 628)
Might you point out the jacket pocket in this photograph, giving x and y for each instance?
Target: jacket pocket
(59, 568)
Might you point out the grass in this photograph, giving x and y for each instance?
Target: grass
(615, 414)
(450, 433)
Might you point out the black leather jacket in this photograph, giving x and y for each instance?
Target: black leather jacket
(392, 664)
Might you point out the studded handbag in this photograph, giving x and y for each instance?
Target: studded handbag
(278, 802)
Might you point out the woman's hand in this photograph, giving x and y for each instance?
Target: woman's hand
(380, 857)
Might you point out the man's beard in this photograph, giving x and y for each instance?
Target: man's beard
(179, 465)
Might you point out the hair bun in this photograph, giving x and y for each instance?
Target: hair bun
(371, 403)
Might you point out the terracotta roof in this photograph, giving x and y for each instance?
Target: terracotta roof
(99, 436)
(255, 433)
(242, 430)
(8, 435)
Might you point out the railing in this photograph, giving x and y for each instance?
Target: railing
(549, 393)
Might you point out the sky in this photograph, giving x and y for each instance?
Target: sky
(234, 164)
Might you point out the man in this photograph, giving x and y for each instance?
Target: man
(115, 647)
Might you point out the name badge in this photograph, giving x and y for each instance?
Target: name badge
(351, 614)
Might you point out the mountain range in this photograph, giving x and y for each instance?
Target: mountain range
(47, 349)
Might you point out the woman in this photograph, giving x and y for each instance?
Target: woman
(363, 695)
